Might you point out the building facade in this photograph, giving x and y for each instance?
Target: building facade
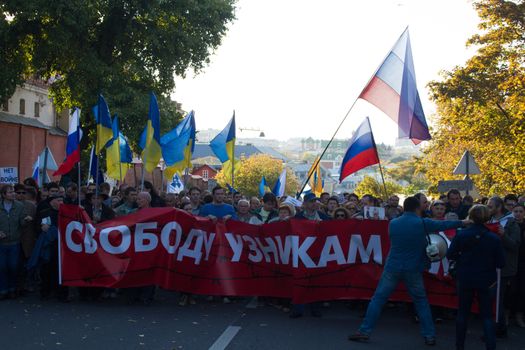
(29, 123)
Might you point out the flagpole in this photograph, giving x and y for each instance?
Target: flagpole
(378, 159)
(96, 174)
(119, 156)
(143, 172)
(80, 157)
(90, 162)
(233, 164)
(348, 112)
(44, 170)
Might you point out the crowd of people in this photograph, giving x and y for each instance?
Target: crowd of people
(29, 249)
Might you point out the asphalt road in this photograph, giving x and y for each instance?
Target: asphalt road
(28, 323)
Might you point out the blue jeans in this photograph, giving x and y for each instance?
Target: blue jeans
(466, 296)
(387, 284)
(9, 255)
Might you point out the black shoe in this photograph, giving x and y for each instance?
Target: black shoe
(430, 341)
(501, 334)
(359, 337)
(295, 314)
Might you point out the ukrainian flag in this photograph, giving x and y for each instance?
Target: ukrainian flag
(117, 167)
(223, 145)
(103, 122)
(152, 150)
(316, 180)
(178, 145)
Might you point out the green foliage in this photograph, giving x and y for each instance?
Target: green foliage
(481, 105)
(122, 49)
(369, 185)
(408, 171)
(251, 171)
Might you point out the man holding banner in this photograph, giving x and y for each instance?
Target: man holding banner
(406, 262)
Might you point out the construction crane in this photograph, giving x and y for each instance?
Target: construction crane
(253, 129)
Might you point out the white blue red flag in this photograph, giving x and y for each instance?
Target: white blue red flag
(74, 136)
(361, 153)
(393, 90)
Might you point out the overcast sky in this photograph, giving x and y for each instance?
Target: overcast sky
(293, 68)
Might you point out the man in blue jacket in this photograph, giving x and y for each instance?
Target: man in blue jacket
(406, 262)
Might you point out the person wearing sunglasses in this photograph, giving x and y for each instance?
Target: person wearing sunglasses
(341, 214)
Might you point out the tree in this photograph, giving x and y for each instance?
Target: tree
(481, 105)
(251, 171)
(408, 171)
(122, 49)
(369, 185)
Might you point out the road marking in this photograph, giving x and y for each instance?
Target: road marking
(226, 337)
(254, 302)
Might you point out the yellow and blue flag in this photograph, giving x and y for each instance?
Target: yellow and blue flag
(117, 167)
(223, 145)
(151, 148)
(316, 180)
(178, 145)
(103, 122)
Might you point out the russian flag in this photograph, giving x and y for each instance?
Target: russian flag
(361, 153)
(73, 144)
(393, 90)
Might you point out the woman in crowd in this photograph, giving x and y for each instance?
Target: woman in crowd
(477, 253)
(342, 214)
(437, 210)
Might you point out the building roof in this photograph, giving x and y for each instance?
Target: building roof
(204, 150)
(304, 167)
(16, 119)
(272, 153)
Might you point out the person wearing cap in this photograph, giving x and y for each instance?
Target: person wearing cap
(12, 218)
(286, 211)
(309, 211)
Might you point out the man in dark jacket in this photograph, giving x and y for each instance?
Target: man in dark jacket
(309, 212)
(510, 238)
(477, 253)
(12, 219)
(455, 204)
(48, 222)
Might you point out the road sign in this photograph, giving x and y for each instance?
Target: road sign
(460, 185)
(9, 175)
(467, 165)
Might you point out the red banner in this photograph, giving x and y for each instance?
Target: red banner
(302, 260)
